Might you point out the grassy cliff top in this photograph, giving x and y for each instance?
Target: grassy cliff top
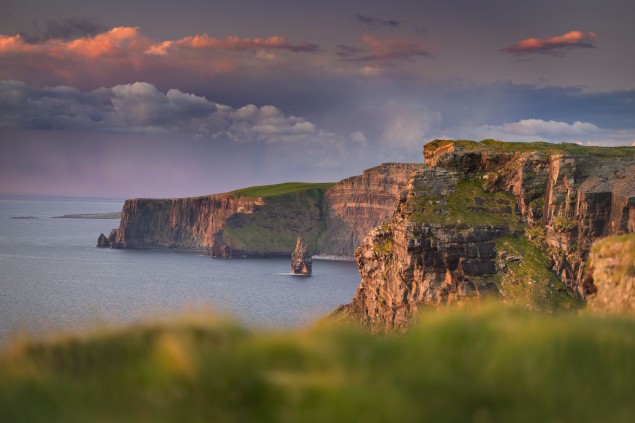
(281, 189)
(490, 365)
(562, 148)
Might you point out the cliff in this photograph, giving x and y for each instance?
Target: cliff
(264, 221)
(357, 204)
(184, 223)
(510, 220)
(611, 275)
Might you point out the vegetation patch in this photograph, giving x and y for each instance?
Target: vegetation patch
(468, 204)
(621, 252)
(280, 189)
(561, 148)
(457, 366)
(273, 227)
(525, 278)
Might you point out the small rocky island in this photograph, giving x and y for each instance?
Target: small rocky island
(301, 261)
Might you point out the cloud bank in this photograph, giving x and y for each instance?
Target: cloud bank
(141, 108)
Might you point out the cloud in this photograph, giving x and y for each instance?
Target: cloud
(383, 49)
(232, 43)
(115, 42)
(124, 54)
(67, 29)
(377, 22)
(554, 45)
(141, 108)
(527, 130)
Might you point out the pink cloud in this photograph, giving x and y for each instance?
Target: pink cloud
(572, 39)
(119, 40)
(125, 54)
(204, 41)
(384, 49)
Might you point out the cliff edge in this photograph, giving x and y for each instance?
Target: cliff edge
(263, 221)
(510, 220)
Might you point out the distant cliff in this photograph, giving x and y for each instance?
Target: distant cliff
(510, 220)
(357, 204)
(265, 221)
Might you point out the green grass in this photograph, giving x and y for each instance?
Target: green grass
(563, 148)
(274, 228)
(488, 365)
(280, 189)
(529, 282)
(468, 204)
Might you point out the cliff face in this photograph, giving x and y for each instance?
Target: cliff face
(611, 275)
(357, 204)
(332, 221)
(514, 221)
(184, 223)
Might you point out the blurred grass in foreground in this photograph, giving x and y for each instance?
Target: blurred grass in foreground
(491, 364)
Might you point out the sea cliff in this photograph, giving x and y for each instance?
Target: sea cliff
(265, 221)
(514, 221)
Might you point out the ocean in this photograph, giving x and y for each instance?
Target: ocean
(53, 278)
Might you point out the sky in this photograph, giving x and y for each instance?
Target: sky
(191, 97)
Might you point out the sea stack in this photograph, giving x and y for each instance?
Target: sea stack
(103, 241)
(301, 261)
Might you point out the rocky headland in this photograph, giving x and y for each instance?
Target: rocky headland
(509, 220)
(264, 221)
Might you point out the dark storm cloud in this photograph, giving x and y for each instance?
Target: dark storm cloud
(68, 29)
(141, 108)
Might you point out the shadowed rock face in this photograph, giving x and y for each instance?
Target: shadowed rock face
(301, 262)
(332, 222)
(493, 220)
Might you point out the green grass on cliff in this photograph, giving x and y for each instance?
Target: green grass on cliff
(274, 228)
(468, 204)
(527, 281)
(491, 365)
(563, 148)
(280, 189)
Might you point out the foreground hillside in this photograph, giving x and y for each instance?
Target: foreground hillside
(491, 365)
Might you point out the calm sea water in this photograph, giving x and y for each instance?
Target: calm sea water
(53, 277)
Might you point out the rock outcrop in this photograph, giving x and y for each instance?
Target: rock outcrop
(510, 220)
(332, 218)
(301, 262)
(102, 241)
(610, 278)
(183, 223)
(357, 204)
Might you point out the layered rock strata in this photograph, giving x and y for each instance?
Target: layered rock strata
(333, 221)
(182, 223)
(301, 262)
(357, 204)
(489, 218)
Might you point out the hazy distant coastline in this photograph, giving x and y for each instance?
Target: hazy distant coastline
(109, 215)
